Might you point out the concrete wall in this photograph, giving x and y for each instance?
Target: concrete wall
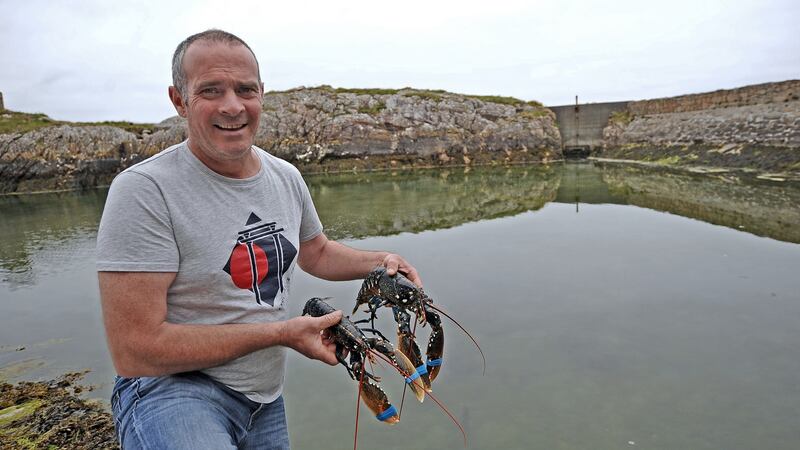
(584, 129)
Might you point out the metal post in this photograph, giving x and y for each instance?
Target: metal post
(577, 123)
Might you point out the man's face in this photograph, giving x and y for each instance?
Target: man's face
(223, 101)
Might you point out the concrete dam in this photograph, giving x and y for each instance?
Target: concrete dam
(581, 126)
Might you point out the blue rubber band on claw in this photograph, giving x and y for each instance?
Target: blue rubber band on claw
(422, 370)
(390, 411)
(410, 379)
(435, 362)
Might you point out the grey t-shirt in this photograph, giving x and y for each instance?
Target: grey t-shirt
(232, 242)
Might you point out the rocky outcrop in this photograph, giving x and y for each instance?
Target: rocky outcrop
(307, 125)
(318, 129)
(64, 157)
(756, 127)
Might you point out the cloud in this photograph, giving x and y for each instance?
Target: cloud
(98, 60)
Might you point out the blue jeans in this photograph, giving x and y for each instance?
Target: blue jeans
(191, 411)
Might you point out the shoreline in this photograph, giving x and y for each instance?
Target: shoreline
(53, 414)
(345, 166)
(333, 130)
(704, 170)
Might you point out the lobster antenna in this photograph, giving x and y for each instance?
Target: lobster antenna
(446, 411)
(358, 408)
(462, 329)
(437, 401)
(418, 381)
(402, 401)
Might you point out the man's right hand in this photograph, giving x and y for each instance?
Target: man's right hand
(306, 335)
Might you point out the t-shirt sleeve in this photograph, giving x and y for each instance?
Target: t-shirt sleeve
(310, 225)
(135, 233)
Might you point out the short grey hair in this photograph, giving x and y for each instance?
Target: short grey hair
(213, 35)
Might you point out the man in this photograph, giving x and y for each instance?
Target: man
(195, 253)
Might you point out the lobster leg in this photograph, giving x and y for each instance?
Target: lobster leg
(408, 346)
(374, 331)
(340, 356)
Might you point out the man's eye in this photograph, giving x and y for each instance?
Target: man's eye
(210, 90)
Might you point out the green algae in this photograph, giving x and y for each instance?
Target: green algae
(17, 412)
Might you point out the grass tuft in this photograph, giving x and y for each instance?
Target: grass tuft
(498, 99)
(621, 117)
(534, 114)
(372, 110)
(20, 122)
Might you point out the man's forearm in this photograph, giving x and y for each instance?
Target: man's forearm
(333, 261)
(143, 343)
(337, 262)
(173, 348)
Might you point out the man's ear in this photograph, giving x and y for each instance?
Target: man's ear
(177, 101)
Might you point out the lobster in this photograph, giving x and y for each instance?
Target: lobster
(351, 339)
(398, 292)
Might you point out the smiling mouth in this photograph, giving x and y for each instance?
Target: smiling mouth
(230, 127)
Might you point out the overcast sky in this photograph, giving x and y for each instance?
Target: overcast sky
(108, 60)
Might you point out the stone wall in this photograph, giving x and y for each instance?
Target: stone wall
(779, 92)
(770, 124)
(752, 127)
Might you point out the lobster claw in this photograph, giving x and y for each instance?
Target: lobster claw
(419, 370)
(376, 400)
(412, 376)
(435, 351)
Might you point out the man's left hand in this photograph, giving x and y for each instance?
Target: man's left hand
(395, 263)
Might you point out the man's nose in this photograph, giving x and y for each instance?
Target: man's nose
(231, 104)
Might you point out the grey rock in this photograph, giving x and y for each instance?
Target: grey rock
(302, 126)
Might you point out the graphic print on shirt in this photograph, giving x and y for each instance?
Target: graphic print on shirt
(260, 258)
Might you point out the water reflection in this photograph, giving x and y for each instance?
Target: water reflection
(42, 234)
(379, 204)
(763, 208)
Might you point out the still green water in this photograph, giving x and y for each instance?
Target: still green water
(618, 307)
